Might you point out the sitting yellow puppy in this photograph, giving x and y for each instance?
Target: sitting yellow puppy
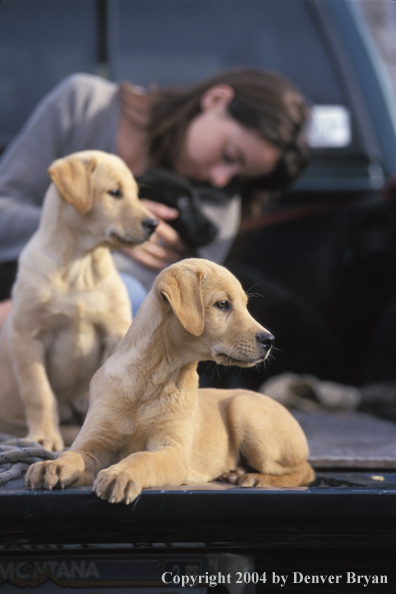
(70, 306)
(149, 426)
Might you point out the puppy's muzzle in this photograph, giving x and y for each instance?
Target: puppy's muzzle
(148, 226)
(265, 340)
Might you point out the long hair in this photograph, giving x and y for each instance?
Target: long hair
(263, 102)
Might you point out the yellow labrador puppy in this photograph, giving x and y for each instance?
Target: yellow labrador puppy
(70, 306)
(149, 426)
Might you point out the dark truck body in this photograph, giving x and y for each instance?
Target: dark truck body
(346, 521)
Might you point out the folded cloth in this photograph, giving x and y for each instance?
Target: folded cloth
(308, 393)
(17, 454)
(380, 400)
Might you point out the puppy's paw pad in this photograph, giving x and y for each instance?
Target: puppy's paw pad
(232, 476)
(247, 480)
(255, 479)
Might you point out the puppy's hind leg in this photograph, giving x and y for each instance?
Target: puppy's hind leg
(296, 477)
(271, 441)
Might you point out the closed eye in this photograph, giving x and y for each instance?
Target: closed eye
(222, 304)
(115, 193)
(229, 159)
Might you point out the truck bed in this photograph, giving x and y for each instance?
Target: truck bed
(352, 501)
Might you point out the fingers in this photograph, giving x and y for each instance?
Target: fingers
(142, 256)
(168, 237)
(154, 256)
(160, 210)
(164, 247)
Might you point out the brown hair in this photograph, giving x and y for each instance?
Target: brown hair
(264, 102)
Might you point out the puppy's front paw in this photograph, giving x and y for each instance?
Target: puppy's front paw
(50, 439)
(116, 486)
(49, 474)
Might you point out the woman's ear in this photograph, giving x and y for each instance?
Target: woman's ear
(217, 96)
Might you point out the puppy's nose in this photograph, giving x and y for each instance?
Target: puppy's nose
(149, 225)
(266, 339)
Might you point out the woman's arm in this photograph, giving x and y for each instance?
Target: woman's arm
(67, 119)
(5, 308)
(24, 178)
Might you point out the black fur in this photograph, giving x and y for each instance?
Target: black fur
(168, 188)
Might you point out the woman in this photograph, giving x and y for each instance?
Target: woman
(246, 125)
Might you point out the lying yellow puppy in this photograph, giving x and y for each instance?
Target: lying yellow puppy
(149, 426)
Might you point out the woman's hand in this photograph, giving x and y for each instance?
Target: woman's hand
(164, 246)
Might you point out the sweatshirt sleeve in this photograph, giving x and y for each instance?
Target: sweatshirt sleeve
(48, 134)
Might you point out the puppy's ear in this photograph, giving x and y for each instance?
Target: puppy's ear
(73, 178)
(183, 292)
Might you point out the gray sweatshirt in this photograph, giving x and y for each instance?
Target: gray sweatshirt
(81, 113)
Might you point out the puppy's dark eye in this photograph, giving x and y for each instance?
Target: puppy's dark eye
(222, 304)
(115, 193)
(183, 201)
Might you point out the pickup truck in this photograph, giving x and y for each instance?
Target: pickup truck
(336, 534)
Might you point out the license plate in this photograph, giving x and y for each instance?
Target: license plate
(99, 573)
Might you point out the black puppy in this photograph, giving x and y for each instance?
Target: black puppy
(168, 188)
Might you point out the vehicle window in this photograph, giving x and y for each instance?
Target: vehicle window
(178, 42)
(42, 42)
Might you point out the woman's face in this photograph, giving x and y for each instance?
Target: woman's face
(217, 148)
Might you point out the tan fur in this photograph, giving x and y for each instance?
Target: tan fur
(70, 306)
(149, 426)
